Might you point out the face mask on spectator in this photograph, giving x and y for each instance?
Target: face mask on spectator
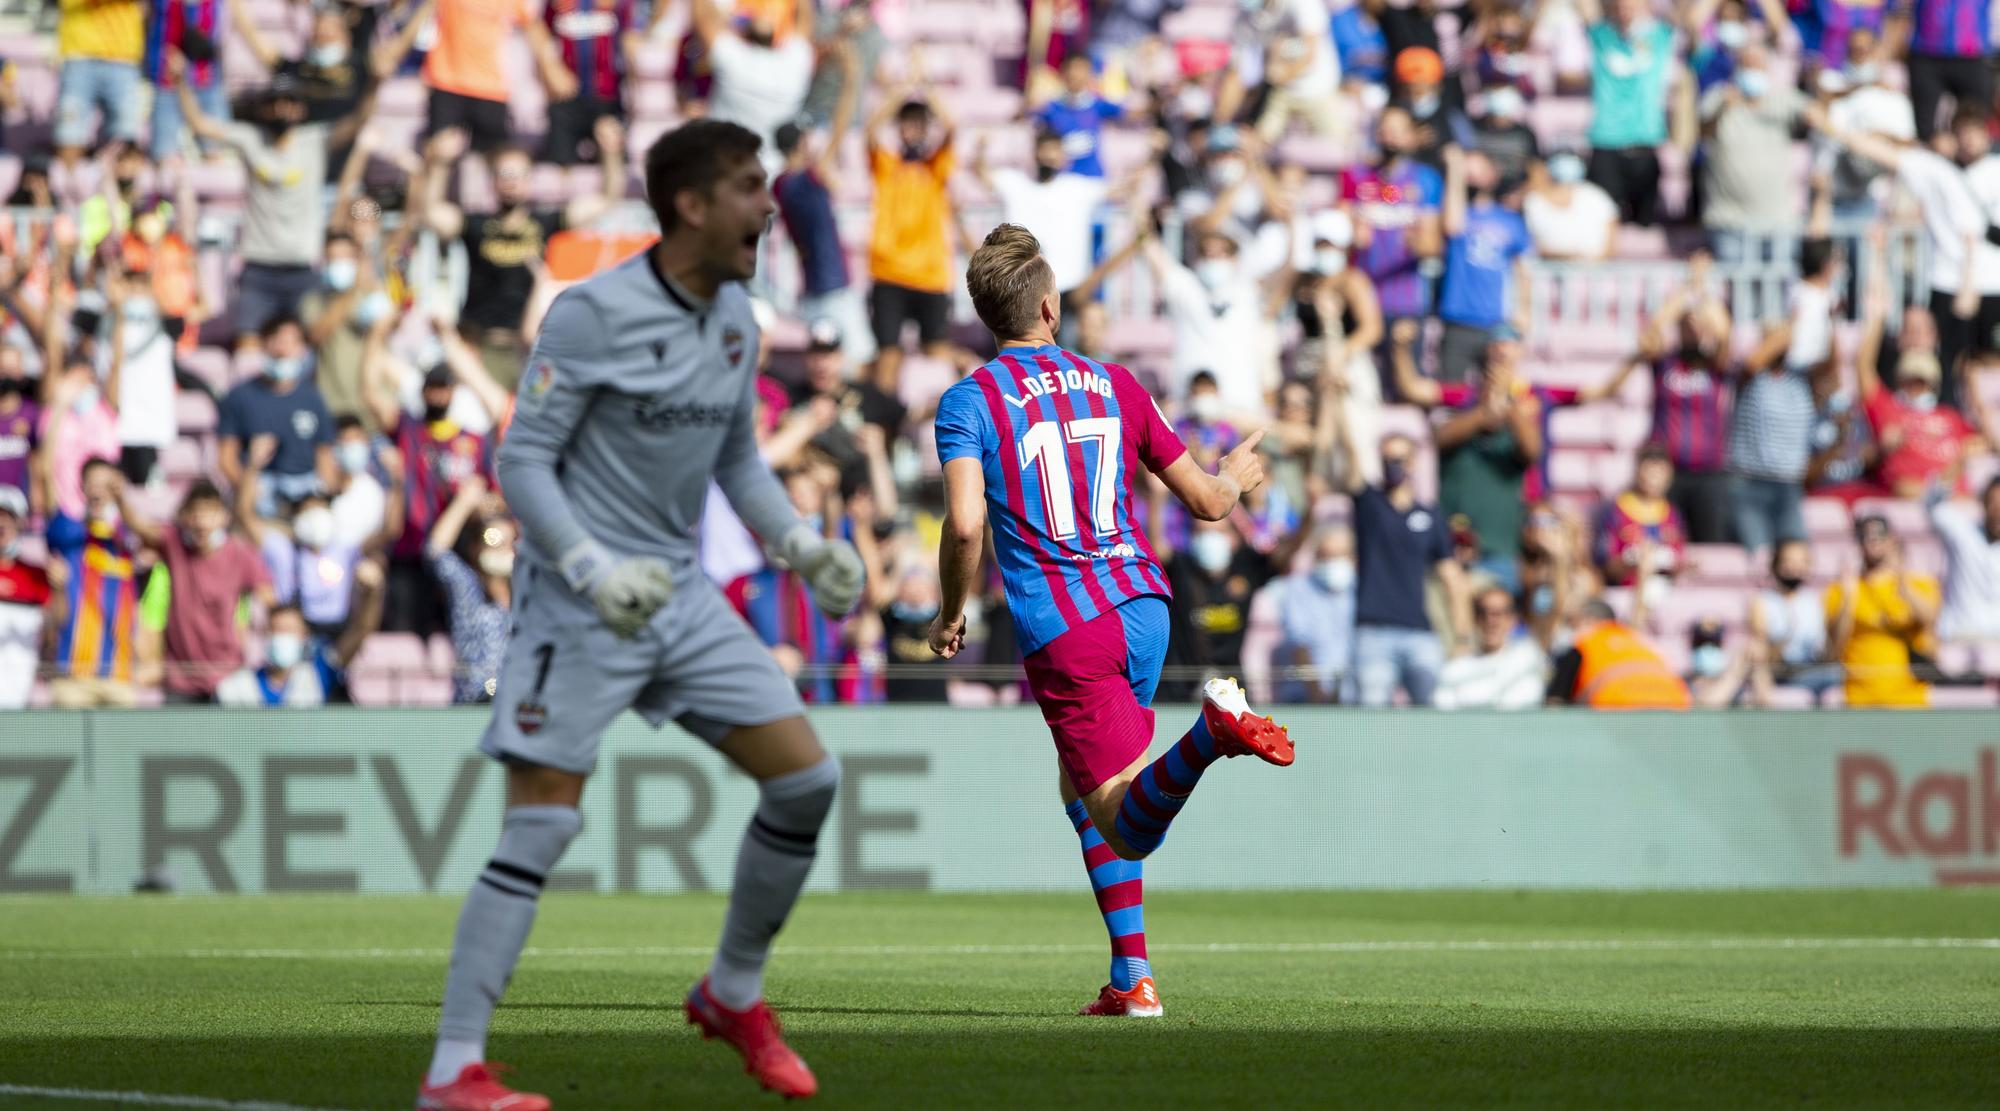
(329, 55)
(1653, 589)
(340, 274)
(353, 456)
(284, 650)
(1709, 660)
(1329, 260)
(1045, 173)
(1542, 600)
(107, 515)
(372, 308)
(85, 400)
(1732, 34)
(1210, 551)
(1921, 402)
(1425, 105)
(496, 563)
(1194, 103)
(435, 413)
(1861, 73)
(913, 613)
(1205, 407)
(1214, 273)
(1566, 169)
(204, 542)
(1505, 103)
(1840, 403)
(1228, 171)
(11, 548)
(11, 386)
(1790, 582)
(313, 528)
(1395, 472)
(1753, 82)
(1336, 575)
(286, 369)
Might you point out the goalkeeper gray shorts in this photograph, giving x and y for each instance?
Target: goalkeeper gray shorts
(566, 676)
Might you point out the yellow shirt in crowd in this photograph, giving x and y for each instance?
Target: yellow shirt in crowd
(910, 246)
(1878, 654)
(111, 30)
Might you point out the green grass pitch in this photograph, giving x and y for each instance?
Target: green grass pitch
(1323, 999)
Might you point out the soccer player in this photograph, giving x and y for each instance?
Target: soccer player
(1052, 442)
(639, 390)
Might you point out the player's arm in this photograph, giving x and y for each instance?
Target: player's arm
(831, 567)
(554, 399)
(1212, 496)
(959, 548)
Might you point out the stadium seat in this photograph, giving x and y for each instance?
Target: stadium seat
(194, 413)
(1964, 698)
(1721, 565)
(1827, 519)
(1906, 518)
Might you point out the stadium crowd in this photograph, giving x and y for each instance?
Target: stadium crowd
(270, 273)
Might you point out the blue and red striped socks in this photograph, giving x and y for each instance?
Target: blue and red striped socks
(1155, 798)
(1120, 889)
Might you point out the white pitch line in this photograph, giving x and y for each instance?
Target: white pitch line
(1548, 945)
(148, 1099)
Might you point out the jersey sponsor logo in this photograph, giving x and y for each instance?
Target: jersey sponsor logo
(1066, 380)
(1118, 551)
(657, 414)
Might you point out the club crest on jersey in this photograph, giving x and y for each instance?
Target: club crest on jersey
(732, 344)
(530, 716)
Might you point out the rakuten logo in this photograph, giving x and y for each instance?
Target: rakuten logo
(1949, 817)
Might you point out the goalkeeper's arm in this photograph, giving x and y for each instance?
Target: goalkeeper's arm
(831, 567)
(554, 397)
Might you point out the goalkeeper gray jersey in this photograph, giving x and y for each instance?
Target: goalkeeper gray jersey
(634, 397)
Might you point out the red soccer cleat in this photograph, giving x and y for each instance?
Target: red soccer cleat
(1239, 732)
(477, 1090)
(755, 1035)
(1142, 1001)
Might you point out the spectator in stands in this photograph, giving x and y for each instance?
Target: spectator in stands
(1125, 35)
(301, 669)
(506, 248)
(32, 190)
(1502, 134)
(158, 254)
(338, 66)
(1394, 204)
(1315, 658)
(284, 218)
(1843, 446)
(1058, 205)
(1632, 65)
(1399, 541)
(1213, 580)
(1486, 446)
(761, 76)
(20, 430)
(79, 425)
(1340, 324)
(1964, 272)
(437, 456)
(1770, 435)
(1878, 617)
(1862, 102)
(337, 317)
(1718, 678)
(213, 570)
(1503, 59)
(598, 44)
(1569, 218)
(108, 211)
(1419, 89)
(308, 567)
(1611, 667)
(1686, 346)
(1788, 620)
(1950, 47)
(1361, 48)
(1503, 671)
(95, 601)
(909, 256)
(101, 43)
(804, 192)
(1286, 48)
(284, 404)
(1556, 572)
(1485, 272)
(1743, 122)
(1640, 537)
(1921, 441)
(134, 336)
(476, 571)
(916, 673)
(24, 596)
(1074, 115)
(1204, 424)
(850, 55)
(360, 506)
(465, 75)
(1972, 564)
(1222, 320)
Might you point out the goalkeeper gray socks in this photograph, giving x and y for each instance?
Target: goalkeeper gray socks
(771, 867)
(492, 929)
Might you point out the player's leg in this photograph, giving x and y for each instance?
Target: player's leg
(1119, 886)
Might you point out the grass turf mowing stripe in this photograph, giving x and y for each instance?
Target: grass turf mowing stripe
(148, 1099)
(1550, 945)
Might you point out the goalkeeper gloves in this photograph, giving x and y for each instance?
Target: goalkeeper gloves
(626, 591)
(831, 567)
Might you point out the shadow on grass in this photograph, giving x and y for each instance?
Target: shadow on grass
(1178, 1063)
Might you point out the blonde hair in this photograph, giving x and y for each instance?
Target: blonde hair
(1008, 278)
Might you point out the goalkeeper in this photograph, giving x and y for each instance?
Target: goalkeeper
(640, 391)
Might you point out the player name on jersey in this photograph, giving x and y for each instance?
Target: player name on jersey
(1061, 381)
